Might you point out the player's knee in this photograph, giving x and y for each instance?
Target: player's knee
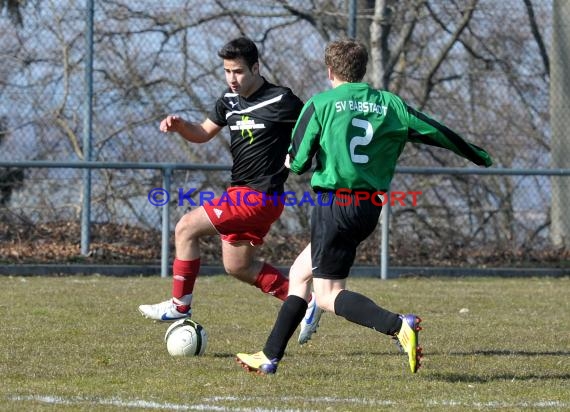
(325, 302)
(185, 228)
(182, 230)
(238, 270)
(300, 273)
(301, 269)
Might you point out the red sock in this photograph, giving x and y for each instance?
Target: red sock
(271, 281)
(184, 273)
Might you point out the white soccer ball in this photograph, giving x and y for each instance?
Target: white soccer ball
(186, 337)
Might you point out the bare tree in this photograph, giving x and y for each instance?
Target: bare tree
(479, 66)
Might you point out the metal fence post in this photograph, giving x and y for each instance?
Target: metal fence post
(87, 129)
(384, 254)
(165, 253)
(352, 19)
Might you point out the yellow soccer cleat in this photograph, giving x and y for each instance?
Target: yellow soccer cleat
(408, 339)
(258, 363)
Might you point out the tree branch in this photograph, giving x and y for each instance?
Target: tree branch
(404, 38)
(537, 36)
(429, 82)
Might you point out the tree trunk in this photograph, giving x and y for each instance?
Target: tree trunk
(560, 121)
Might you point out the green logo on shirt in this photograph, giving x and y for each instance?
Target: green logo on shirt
(246, 125)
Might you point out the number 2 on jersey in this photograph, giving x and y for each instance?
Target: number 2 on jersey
(360, 140)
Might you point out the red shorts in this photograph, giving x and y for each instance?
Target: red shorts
(243, 214)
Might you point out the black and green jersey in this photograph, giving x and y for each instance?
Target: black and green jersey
(357, 134)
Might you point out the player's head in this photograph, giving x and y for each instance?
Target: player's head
(240, 48)
(347, 59)
(241, 65)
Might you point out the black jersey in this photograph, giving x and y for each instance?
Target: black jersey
(260, 130)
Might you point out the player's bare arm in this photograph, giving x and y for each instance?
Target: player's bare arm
(193, 132)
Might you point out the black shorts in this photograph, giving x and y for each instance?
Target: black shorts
(337, 228)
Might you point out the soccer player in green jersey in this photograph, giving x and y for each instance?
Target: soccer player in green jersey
(357, 134)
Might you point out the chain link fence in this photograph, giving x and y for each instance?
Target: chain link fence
(481, 67)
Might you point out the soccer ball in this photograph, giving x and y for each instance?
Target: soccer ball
(186, 337)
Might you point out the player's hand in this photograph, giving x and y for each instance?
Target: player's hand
(287, 161)
(170, 124)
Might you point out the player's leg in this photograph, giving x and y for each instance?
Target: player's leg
(331, 293)
(326, 291)
(189, 229)
(301, 275)
(347, 227)
(239, 262)
(288, 318)
(341, 228)
(243, 219)
(359, 309)
(300, 282)
(293, 311)
(355, 307)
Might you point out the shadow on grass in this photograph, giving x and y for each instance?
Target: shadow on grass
(222, 355)
(507, 353)
(313, 355)
(514, 376)
(426, 353)
(469, 378)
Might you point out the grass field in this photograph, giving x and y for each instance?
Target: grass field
(79, 344)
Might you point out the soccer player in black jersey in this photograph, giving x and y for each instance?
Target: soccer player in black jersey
(357, 134)
(261, 117)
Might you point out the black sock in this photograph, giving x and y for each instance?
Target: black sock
(289, 317)
(359, 309)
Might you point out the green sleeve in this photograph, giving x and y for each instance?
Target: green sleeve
(423, 129)
(305, 140)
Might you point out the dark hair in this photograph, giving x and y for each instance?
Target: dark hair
(243, 48)
(347, 59)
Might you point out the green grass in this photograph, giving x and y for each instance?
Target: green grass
(79, 344)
